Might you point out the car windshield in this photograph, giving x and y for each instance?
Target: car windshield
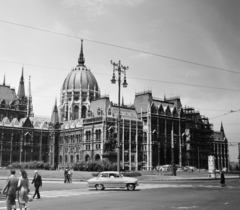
(111, 175)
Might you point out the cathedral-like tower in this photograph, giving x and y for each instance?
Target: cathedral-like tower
(79, 88)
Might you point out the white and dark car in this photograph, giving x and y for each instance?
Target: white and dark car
(112, 179)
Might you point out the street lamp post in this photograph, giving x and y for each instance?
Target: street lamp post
(120, 69)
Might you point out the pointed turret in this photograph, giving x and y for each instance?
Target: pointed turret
(21, 88)
(29, 105)
(54, 117)
(81, 59)
(222, 130)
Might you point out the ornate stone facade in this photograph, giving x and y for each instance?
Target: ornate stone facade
(84, 125)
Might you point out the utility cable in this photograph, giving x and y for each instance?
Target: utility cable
(225, 114)
(136, 78)
(121, 47)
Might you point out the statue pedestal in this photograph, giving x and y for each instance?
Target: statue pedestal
(110, 156)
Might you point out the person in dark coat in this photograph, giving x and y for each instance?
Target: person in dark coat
(11, 190)
(37, 181)
(66, 175)
(222, 179)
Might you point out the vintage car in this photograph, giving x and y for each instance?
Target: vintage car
(112, 179)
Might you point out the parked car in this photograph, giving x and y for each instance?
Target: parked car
(112, 179)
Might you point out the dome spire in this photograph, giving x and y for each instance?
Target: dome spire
(4, 80)
(81, 59)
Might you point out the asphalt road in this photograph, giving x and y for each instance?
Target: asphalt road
(148, 196)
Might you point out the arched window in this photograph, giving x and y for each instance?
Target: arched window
(88, 135)
(71, 158)
(97, 157)
(66, 159)
(60, 159)
(98, 134)
(77, 157)
(84, 110)
(76, 113)
(28, 138)
(87, 158)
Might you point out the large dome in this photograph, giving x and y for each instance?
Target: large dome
(80, 77)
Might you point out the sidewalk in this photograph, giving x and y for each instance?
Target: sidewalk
(149, 178)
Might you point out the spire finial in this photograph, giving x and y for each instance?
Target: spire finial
(81, 59)
(4, 80)
(29, 88)
(22, 75)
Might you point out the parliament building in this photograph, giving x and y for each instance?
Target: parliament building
(82, 127)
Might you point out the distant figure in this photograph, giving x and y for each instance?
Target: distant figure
(69, 175)
(66, 175)
(37, 181)
(222, 179)
(10, 189)
(23, 186)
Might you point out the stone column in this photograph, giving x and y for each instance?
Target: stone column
(180, 141)
(53, 149)
(103, 136)
(130, 146)
(223, 156)
(31, 147)
(218, 157)
(1, 147)
(165, 143)
(136, 140)
(21, 147)
(40, 146)
(11, 148)
(123, 149)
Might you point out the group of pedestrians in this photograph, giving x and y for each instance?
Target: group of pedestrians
(68, 175)
(20, 186)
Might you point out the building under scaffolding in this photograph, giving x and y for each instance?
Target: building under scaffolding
(199, 138)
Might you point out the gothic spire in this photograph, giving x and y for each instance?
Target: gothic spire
(222, 129)
(54, 117)
(21, 88)
(81, 59)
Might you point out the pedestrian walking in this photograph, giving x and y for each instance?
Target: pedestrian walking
(69, 175)
(222, 179)
(11, 189)
(66, 178)
(37, 181)
(23, 187)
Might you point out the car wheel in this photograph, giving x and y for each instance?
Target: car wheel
(131, 187)
(99, 187)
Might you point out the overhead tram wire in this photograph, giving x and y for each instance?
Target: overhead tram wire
(121, 47)
(137, 78)
(230, 112)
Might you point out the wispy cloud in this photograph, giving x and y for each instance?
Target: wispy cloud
(142, 56)
(95, 8)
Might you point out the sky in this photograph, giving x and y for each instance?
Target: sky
(205, 32)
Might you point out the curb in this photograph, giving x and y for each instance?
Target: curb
(142, 180)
